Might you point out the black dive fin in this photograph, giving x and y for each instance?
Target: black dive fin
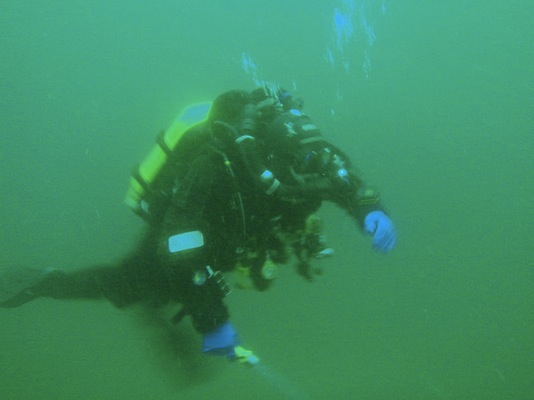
(17, 285)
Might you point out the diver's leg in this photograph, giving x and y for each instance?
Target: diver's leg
(21, 285)
(102, 282)
(136, 278)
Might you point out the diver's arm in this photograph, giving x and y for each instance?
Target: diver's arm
(359, 199)
(347, 188)
(241, 140)
(185, 246)
(362, 202)
(261, 176)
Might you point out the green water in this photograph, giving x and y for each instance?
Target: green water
(438, 113)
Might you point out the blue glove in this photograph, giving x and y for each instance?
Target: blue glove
(379, 225)
(221, 341)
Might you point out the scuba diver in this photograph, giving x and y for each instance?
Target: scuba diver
(234, 186)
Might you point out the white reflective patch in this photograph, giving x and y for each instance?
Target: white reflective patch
(266, 176)
(185, 241)
(244, 137)
(309, 127)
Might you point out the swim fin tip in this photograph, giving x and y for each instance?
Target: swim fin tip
(17, 285)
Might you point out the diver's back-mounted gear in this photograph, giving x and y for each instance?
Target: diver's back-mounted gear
(146, 174)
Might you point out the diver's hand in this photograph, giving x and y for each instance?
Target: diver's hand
(378, 224)
(221, 341)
